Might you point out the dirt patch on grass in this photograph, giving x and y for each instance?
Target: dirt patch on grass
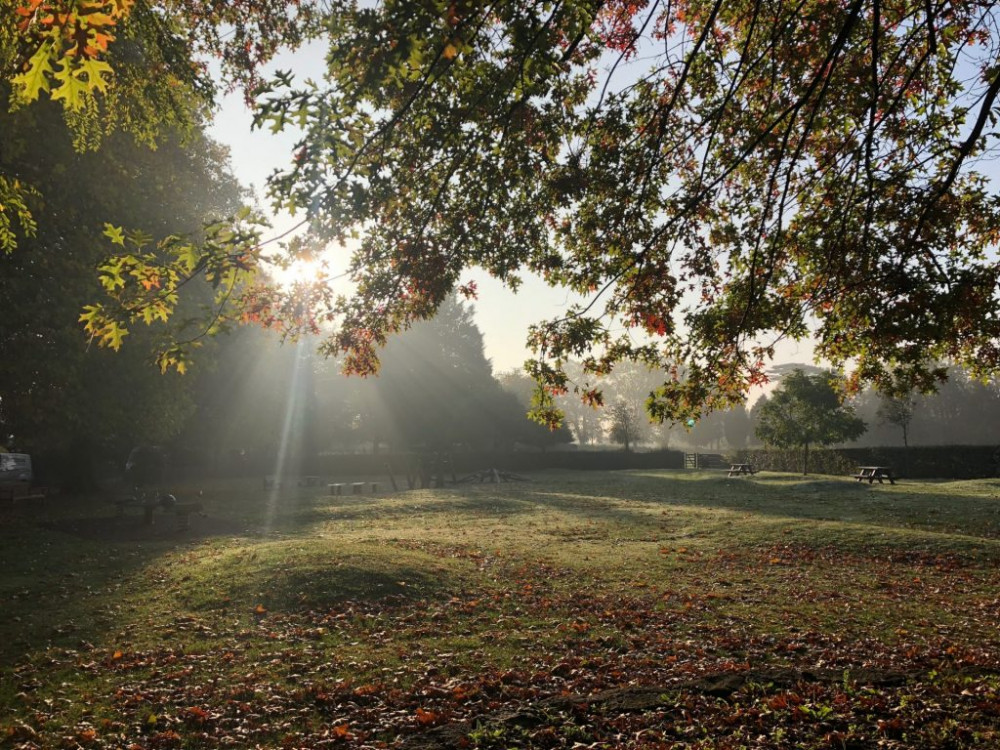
(133, 528)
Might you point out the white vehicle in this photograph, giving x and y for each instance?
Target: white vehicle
(15, 468)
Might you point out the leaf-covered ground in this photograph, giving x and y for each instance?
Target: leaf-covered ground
(633, 610)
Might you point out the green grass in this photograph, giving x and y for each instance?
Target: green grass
(313, 621)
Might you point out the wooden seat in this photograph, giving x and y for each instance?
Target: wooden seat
(21, 491)
(183, 512)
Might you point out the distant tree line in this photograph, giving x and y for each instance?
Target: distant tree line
(963, 411)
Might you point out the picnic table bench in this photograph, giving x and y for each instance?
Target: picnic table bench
(357, 488)
(736, 470)
(492, 476)
(167, 503)
(873, 474)
(22, 491)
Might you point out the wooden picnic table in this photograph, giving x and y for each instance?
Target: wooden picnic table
(736, 470)
(165, 502)
(873, 474)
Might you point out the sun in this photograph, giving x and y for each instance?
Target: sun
(299, 272)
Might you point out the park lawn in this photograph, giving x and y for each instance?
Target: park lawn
(607, 609)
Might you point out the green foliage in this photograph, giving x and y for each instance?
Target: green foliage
(14, 212)
(914, 462)
(116, 66)
(830, 461)
(806, 410)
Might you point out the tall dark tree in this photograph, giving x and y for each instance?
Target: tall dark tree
(737, 427)
(436, 390)
(518, 389)
(62, 394)
(708, 431)
(804, 411)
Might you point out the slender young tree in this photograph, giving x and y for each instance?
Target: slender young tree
(897, 411)
(626, 429)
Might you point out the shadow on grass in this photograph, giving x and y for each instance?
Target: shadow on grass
(317, 587)
(59, 589)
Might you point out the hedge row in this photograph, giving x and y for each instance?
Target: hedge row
(922, 462)
(918, 462)
(466, 463)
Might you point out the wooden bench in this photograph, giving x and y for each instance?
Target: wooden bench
(183, 512)
(146, 506)
(17, 492)
(736, 470)
(337, 488)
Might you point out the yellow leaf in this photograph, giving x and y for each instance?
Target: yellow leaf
(69, 89)
(450, 51)
(95, 71)
(115, 234)
(35, 79)
(97, 19)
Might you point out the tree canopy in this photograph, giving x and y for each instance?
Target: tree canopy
(804, 411)
(708, 176)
